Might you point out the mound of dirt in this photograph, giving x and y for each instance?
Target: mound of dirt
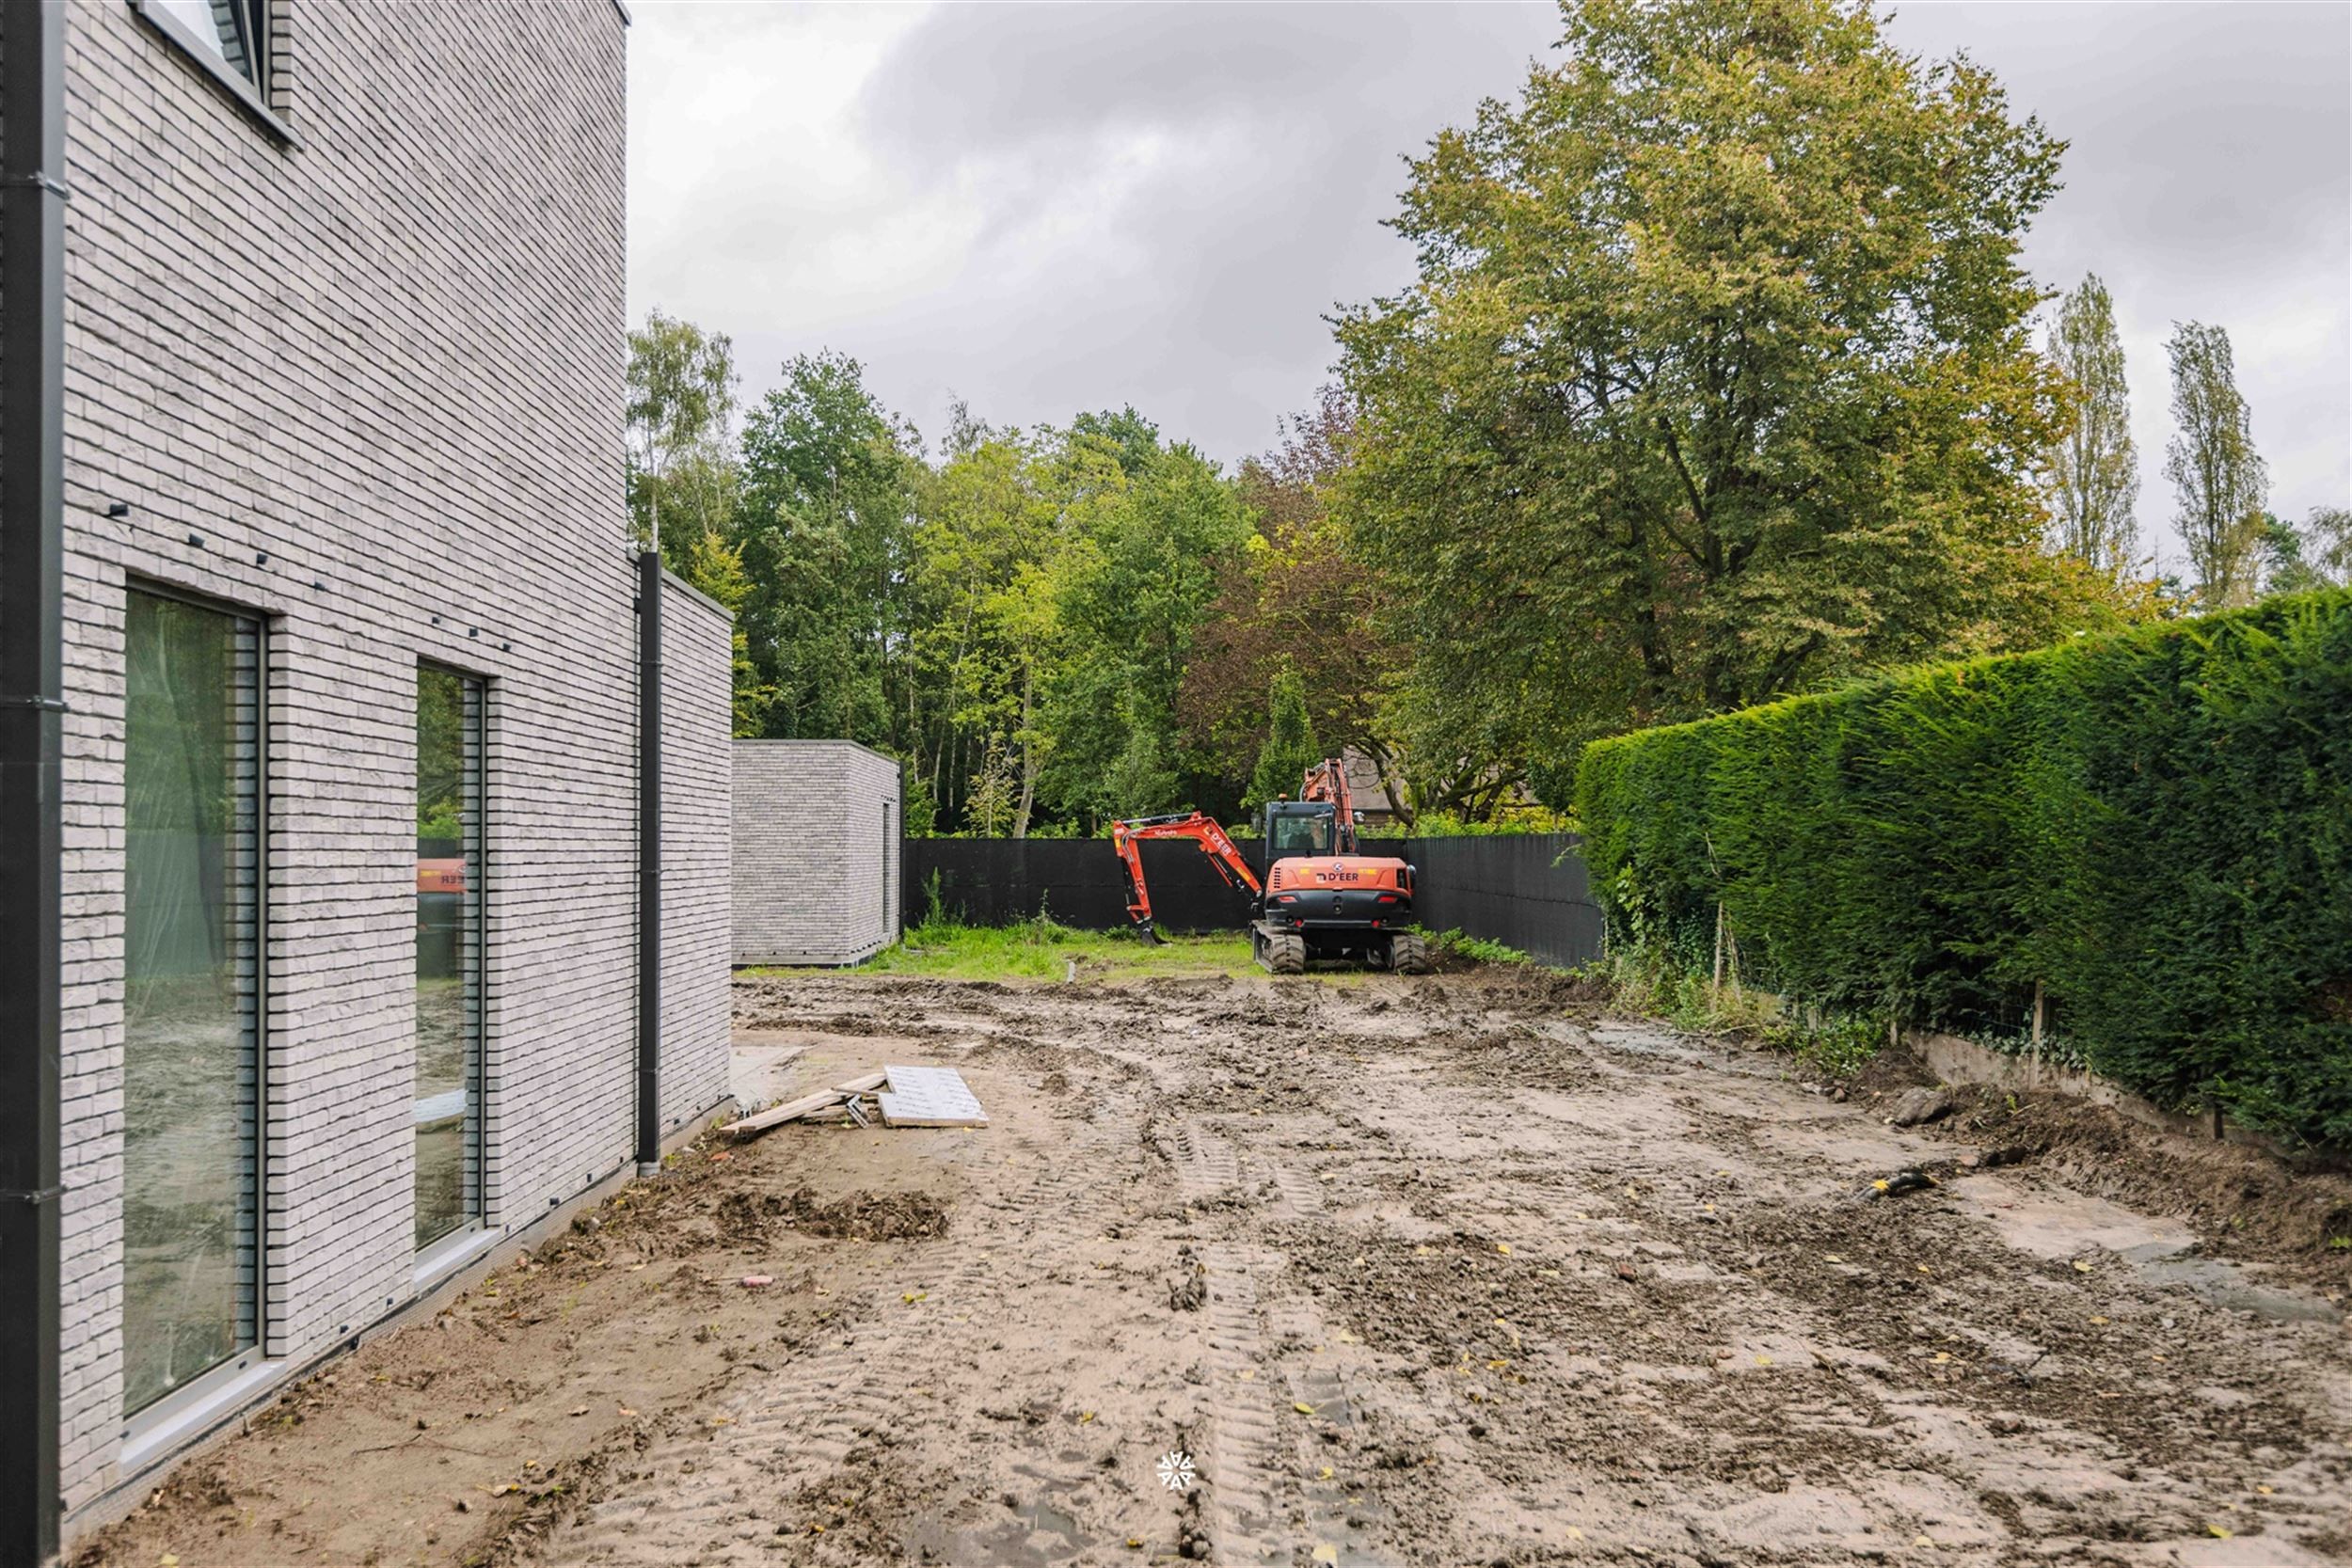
(1533, 985)
(747, 1218)
(2248, 1201)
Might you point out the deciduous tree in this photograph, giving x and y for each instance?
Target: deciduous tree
(1716, 379)
(2093, 468)
(681, 431)
(2316, 555)
(827, 515)
(2221, 480)
(1293, 599)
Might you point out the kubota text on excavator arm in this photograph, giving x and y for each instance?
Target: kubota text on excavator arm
(1197, 826)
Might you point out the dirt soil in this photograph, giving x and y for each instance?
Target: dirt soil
(1447, 1271)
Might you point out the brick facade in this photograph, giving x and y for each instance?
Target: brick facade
(817, 852)
(697, 791)
(368, 385)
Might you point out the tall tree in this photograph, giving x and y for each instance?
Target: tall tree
(828, 478)
(2093, 469)
(2328, 543)
(683, 476)
(1290, 746)
(1293, 599)
(2221, 480)
(2316, 555)
(1717, 377)
(681, 427)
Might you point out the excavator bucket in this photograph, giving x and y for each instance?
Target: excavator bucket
(1151, 937)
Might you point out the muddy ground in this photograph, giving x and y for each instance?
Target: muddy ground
(1446, 1271)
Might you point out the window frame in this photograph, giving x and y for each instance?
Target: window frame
(172, 1409)
(251, 95)
(457, 1245)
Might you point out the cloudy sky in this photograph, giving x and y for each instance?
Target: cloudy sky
(1043, 210)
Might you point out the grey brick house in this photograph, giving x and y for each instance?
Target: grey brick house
(332, 954)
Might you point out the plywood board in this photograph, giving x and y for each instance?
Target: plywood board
(794, 1110)
(929, 1097)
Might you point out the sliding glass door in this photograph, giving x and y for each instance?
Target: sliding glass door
(192, 769)
(449, 953)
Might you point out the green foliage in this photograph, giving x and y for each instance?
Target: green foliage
(1454, 944)
(1716, 382)
(2093, 469)
(2155, 824)
(1837, 1047)
(2212, 462)
(1290, 746)
(827, 512)
(1443, 824)
(681, 416)
(918, 808)
(2316, 555)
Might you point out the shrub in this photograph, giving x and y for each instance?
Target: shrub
(2156, 827)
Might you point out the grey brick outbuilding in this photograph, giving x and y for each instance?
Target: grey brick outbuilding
(817, 852)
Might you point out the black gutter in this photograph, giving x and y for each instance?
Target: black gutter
(648, 861)
(32, 718)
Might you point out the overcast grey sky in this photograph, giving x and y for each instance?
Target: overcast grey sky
(1047, 209)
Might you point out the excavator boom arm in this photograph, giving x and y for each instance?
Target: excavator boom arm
(1127, 836)
(1327, 781)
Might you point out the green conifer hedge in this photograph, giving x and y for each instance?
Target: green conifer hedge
(2154, 826)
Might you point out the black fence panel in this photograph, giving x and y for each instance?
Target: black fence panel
(996, 881)
(1526, 891)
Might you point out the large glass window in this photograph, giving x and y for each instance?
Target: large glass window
(192, 978)
(449, 953)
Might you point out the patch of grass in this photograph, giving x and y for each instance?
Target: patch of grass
(1835, 1045)
(1836, 1048)
(1043, 949)
(1454, 944)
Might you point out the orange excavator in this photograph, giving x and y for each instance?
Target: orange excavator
(1320, 898)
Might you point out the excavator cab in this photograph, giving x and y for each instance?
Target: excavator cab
(1304, 828)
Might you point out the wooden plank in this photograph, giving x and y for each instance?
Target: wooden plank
(793, 1110)
(929, 1097)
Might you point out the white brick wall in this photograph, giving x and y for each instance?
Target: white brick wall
(817, 852)
(697, 774)
(379, 377)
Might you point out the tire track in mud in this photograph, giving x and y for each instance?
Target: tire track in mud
(711, 1492)
(1243, 1446)
(1245, 1436)
(1251, 1494)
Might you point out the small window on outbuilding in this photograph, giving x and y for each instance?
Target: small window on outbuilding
(234, 33)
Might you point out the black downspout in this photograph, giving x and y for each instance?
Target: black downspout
(648, 861)
(32, 709)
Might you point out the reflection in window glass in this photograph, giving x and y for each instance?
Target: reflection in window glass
(449, 953)
(1302, 835)
(229, 30)
(191, 768)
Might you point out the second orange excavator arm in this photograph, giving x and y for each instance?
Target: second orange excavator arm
(1197, 826)
(1327, 781)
